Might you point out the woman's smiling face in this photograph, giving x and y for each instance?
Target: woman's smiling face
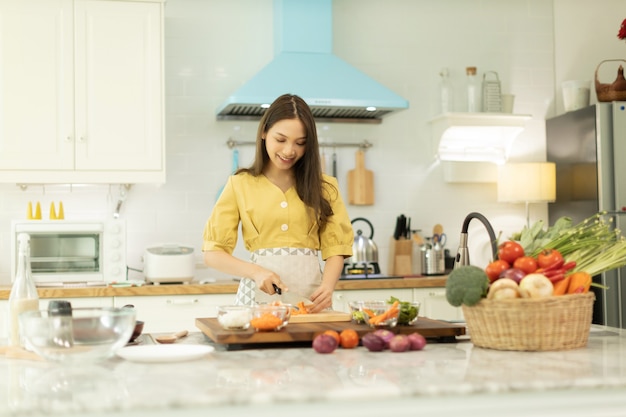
(285, 143)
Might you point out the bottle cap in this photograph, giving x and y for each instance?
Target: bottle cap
(470, 70)
(60, 308)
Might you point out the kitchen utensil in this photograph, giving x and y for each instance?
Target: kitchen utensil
(268, 317)
(492, 94)
(364, 250)
(400, 227)
(334, 163)
(433, 258)
(172, 338)
(290, 297)
(97, 333)
(169, 263)
(360, 183)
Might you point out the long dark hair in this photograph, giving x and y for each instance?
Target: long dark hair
(308, 171)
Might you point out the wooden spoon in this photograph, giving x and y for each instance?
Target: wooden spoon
(172, 338)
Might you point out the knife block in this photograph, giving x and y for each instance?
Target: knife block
(400, 257)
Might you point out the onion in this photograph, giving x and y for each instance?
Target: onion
(324, 343)
(399, 343)
(515, 274)
(417, 341)
(373, 343)
(386, 335)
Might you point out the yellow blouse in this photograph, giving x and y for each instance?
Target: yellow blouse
(273, 219)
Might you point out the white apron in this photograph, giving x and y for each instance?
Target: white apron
(299, 269)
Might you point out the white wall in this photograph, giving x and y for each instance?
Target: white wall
(213, 46)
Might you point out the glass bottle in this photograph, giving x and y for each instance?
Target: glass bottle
(445, 96)
(23, 295)
(472, 91)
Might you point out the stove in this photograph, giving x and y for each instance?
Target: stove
(363, 270)
(367, 276)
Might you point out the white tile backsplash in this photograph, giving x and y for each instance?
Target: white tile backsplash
(213, 46)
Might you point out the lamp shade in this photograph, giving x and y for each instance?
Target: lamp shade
(528, 182)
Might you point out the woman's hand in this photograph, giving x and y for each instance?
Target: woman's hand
(322, 299)
(266, 279)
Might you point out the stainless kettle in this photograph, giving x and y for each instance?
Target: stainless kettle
(364, 250)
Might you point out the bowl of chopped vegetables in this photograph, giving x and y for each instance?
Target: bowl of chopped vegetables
(363, 311)
(376, 313)
(267, 317)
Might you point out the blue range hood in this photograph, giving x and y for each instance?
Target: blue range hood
(304, 65)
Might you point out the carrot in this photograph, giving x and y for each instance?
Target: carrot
(579, 282)
(267, 321)
(561, 286)
(387, 314)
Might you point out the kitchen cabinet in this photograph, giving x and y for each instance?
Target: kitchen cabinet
(81, 91)
(434, 304)
(171, 313)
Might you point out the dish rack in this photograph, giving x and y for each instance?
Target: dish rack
(492, 93)
(531, 324)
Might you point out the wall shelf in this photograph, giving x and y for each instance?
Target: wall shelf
(476, 137)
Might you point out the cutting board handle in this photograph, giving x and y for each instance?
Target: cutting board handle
(360, 160)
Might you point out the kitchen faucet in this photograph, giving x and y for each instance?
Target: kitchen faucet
(462, 256)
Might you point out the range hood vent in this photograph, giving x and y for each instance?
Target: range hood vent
(304, 65)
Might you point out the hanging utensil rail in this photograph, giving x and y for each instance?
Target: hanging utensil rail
(363, 145)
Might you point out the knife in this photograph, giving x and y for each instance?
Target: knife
(289, 297)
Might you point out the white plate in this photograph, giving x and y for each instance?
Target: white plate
(164, 353)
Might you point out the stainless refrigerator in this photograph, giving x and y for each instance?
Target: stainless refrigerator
(589, 149)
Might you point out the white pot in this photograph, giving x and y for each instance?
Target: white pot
(169, 263)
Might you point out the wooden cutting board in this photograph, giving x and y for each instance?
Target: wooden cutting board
(305, 332)
(324, 316)
(360, 183)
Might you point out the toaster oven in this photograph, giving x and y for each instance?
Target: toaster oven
(64, 252)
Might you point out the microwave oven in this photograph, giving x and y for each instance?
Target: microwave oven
(64, 252)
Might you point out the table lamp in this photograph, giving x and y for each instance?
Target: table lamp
(527, 182)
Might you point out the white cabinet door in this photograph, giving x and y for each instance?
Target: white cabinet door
(171, 313)
(342, 298)
(118, 85)
(36, 85)
(81, 91)
(435, 306)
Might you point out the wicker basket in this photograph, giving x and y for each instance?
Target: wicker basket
(555, 323)
(611, 92)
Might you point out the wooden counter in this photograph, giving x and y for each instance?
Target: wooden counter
(222, 287)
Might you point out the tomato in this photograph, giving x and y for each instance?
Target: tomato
(549, 257)
(334, 334)
(495, 268)
(509, 251)
(527, 264)
(349, 338)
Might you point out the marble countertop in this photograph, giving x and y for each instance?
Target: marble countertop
(446, 378)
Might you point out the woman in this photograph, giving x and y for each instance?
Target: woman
(288, 211)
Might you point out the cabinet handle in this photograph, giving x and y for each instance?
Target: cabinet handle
(68, 139)
(437, 293)
(183, 302)
(81, 139)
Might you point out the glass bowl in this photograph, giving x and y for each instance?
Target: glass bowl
(409, 310)
(267, 317)
(88, 334)
(372, 309)
(234, 317)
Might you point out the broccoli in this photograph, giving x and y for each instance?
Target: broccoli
(466, 285)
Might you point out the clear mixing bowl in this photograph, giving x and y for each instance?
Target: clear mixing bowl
(89, 334)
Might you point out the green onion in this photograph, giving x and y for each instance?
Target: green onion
(594, 244)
